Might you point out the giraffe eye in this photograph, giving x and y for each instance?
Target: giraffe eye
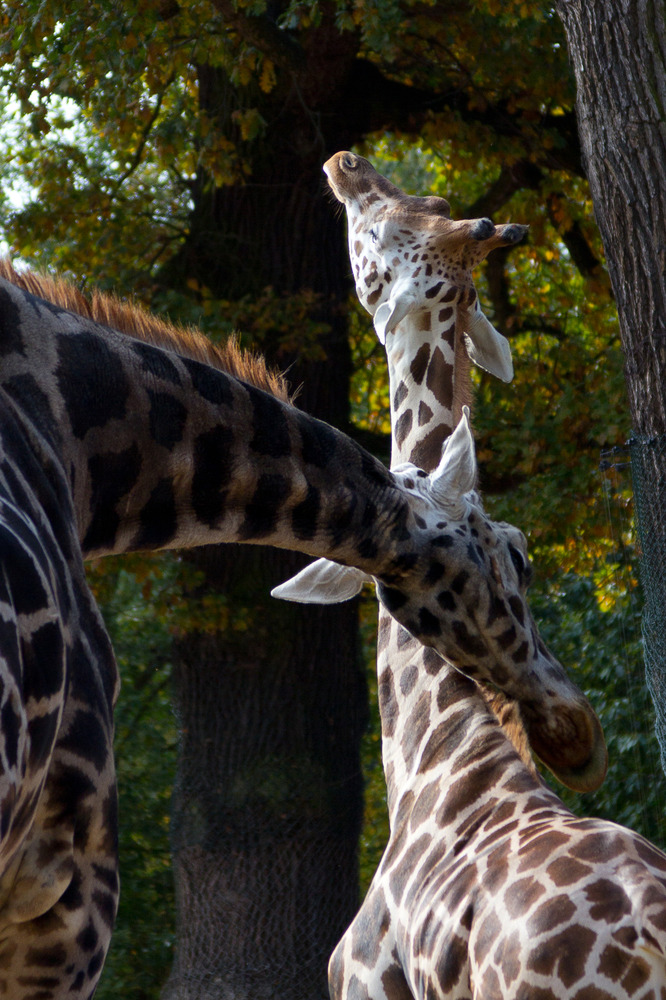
(523, 569)
(374, 235)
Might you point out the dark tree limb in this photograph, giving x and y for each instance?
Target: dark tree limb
(513, 177)
(574, 239)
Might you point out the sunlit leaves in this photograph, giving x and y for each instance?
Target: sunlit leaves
(109, 101)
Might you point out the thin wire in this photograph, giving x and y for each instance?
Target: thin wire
(620, 525)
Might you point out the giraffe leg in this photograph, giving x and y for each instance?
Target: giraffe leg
(58, 823)
(58, 901)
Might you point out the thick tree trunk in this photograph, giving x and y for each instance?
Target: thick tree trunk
(618, 49)
(268, 800)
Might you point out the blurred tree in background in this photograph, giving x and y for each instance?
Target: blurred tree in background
(173, 150)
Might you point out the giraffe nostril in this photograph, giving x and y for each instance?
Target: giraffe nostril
(483, 229)
(514, 234)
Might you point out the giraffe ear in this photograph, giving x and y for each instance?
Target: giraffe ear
(323, 582)
(456, 473)
(487, 348)
(387, 316)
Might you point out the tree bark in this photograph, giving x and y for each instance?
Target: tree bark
(266, 813)
(618, 50)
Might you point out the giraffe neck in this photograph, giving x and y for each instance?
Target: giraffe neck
(438, 730)
(152, 450)
(429, 384)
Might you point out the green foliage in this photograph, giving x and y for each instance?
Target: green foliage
(145, 748)
(113, 131)
(602, 650)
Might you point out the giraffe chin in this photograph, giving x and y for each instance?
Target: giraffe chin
(578, 757)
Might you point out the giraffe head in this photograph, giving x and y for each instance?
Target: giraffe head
(461, 589)
(410, 258)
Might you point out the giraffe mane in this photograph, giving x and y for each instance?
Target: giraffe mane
(507, 712)
(132, 319)
(462, 384)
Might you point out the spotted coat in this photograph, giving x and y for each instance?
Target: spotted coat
(111, 444)
(472, 895)
(427, 259)
(490, 888)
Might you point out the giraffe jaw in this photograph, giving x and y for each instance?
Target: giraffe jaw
(402, 301)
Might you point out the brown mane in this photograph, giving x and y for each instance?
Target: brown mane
(132, 319)
(508, 715)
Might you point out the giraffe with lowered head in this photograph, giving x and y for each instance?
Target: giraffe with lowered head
(489, 886)
(119, 441)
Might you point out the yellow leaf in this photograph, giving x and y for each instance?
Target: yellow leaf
(267, 78)
(244, 74)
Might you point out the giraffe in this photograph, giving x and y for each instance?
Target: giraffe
(489, 886)
(412, 266)
(114, 442)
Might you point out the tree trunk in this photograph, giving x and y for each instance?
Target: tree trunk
(268, 802)
(618, 49)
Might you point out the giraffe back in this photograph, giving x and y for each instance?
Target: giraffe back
(490, 887)
(134, 320)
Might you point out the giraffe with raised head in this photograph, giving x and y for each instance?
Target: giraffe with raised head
(110, 443)
(489, 886)
(412, 266)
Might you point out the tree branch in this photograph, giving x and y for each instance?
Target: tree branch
(574, 239)
(498, 289)
(264, 34)
(375, 102)
(138, 153)
(514, 177)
